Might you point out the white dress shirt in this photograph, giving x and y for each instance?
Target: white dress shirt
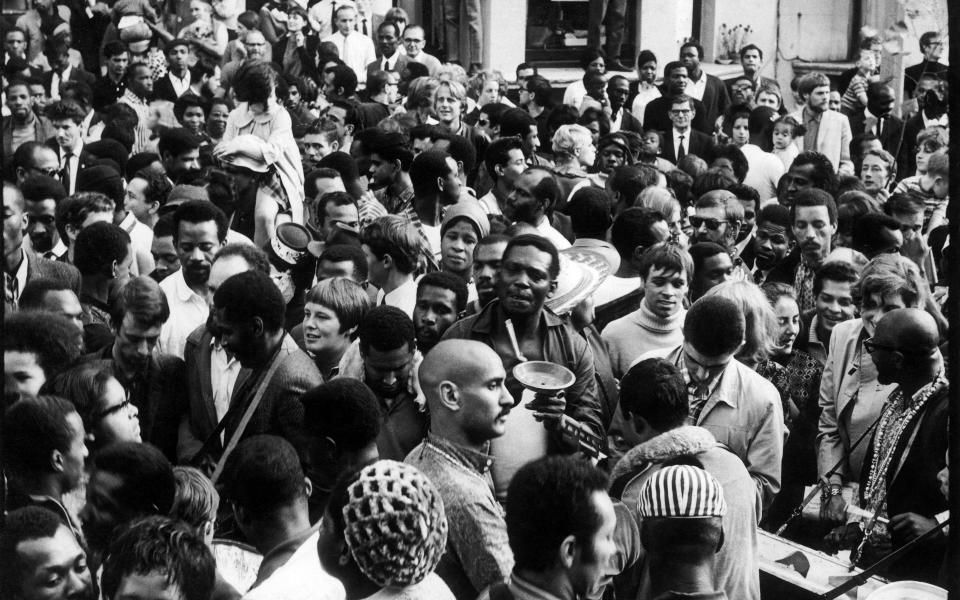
(696, 89)
(645, 93)
(677, 143)
(141, 238)
(387, 62)
(180, 86)
(356, 50)
(547, 230)
(187, 312)
(57, 79)
(74, 162)
(404, 297)
(223, 377)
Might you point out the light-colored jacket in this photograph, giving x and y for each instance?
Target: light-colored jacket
(833, 138)
(848, 371)
(744, 413)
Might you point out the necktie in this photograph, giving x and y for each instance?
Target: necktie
(12, 290)
(365, 26)
(879, 126)
(65, 173)
(680, 151)
(333, 16)
(386, 65)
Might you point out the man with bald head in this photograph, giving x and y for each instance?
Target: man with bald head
(464, 384)
(909, 445)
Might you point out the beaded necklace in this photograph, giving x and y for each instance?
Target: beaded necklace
(894, 420)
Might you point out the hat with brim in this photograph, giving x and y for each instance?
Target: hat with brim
(289, 245)
(581, 273)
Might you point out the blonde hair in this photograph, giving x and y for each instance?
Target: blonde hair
(196, 500)
(761, 331)
(569, 139)
(658, 199)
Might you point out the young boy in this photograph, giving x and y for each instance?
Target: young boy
(855, 99)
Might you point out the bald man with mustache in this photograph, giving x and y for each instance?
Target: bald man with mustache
(463, 381)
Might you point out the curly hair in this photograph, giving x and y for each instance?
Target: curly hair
(343, 409)
(98, 247)
(386, 328)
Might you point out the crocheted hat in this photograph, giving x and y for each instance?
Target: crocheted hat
(396, 528)
(681, 491)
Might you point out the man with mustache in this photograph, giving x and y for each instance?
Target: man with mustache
(464, 383)
(441, 299)
(154, 382)
(528, 275)
(813, 226)
(772, 241)
(199, 230)
(41, 195)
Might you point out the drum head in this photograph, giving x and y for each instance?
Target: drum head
(238, 563)
(908, 590)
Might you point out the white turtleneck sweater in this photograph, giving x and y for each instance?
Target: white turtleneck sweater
(641, 331)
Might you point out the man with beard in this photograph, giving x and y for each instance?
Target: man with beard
(389, 175)
(532, 201)
(833, 288)
(139, 80)
(248, 312)
(23, 124)
(441, 299)
(772, 242)
(487, 255)
(199, 230)
(528, 275)
(128, 480)
(464, 384)
(813, 219)
(827, 131)
(742, 91)
(41, 559)
(505, 161)
(675, 83)
(103, 255)
(180, 152)
(41, 194)
(154, 382)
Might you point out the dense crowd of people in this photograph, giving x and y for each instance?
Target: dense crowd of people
(281, 283)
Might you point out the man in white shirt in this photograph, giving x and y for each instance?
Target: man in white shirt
(505, 162)
(200, 229)
(414, 37)
(764, 168)
(392, 246)
(178, 78)
(534, 196)
(391, 60)
(356, 49)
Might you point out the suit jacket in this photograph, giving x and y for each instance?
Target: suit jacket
(891, 135)
(398, 64)
(42, 268)
(656, 116)
(76, 75)
(85, 159)
(279, 412)
(715, 100)
(163, 88)
(200, 418)
(41, 131)
(911, 75)
(698, 144)
(628, 122)
(833, 137)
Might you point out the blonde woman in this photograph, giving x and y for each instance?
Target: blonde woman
(574, 153)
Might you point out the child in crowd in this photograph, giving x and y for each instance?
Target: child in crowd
(855, 98)
(650, 143)
(785, 131)
(260, 135)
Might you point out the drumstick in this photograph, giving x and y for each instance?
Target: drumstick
(513, 341)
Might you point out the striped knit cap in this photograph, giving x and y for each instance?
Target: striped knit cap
(396, 528)
(681, 491)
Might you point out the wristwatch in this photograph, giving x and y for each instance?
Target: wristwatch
(829, 492)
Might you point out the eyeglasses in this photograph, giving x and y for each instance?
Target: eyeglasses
(55, 173)
(681, 112)
(872, 346)
(412, 41)
(712, 224)
(113, 409)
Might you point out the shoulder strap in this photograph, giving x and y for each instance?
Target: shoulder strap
(247, 415)
(500, 591)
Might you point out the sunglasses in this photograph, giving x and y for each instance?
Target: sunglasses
(872, 346)
(113, 409)
(712, 224)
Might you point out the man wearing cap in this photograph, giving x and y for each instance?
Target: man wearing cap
(464, 383)
(682, 508)
(653, 398)
(772, 242)
(518, 328)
